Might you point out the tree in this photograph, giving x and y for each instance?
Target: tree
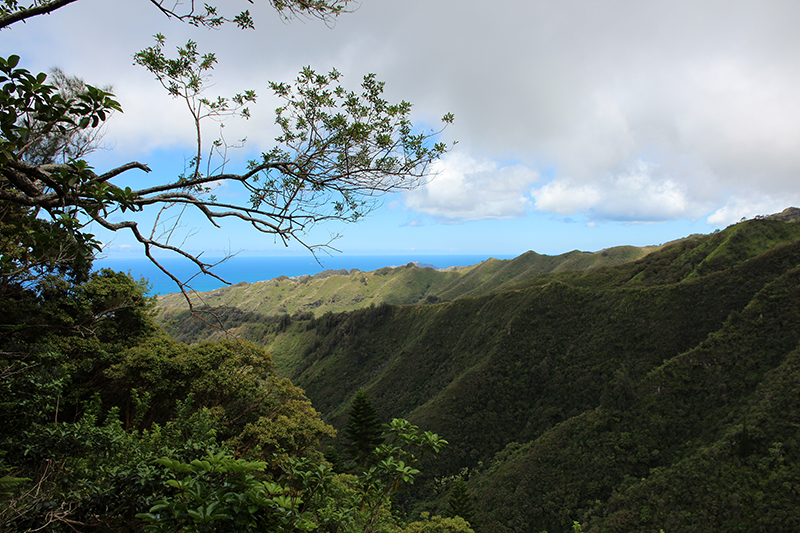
(460, 502)
(338, 150)
(363, 430)
(92, 392)
(32, 113)
(72, 142)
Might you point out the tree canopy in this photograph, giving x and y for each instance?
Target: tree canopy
(111, 425)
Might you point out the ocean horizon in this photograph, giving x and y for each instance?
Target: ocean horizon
(253, 269)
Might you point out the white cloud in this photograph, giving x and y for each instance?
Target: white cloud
(743, 207)
(640, 194)
(565, 197)
(465, 188)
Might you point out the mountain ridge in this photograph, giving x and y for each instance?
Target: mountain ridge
(413, 283)
(654, 393)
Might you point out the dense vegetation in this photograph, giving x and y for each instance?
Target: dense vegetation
(111, 425)
(660, 393)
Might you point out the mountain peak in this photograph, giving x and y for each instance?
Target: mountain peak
(790, 214)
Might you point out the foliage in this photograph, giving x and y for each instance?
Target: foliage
(261, 414)
(91, 392)
(460, 502)
(363, 430)
(101, 399)
(437, 524)
(72, 140)
(31, 113)
(92, 472)
(220, 493)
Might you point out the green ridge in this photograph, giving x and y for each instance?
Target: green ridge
(661, 392)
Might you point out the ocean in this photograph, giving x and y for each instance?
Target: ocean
(252, 269)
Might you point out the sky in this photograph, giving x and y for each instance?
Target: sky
(580, 124)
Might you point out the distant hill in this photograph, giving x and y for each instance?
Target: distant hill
(658, 389)
(343, 290)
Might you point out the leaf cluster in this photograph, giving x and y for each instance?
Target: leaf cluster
(220, 493)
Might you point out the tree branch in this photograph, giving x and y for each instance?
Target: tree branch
(124, 168)
(26, 13)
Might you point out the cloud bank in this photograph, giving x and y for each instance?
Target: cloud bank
(635, 111)
(465, 188)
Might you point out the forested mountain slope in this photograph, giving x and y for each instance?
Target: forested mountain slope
(660, 393)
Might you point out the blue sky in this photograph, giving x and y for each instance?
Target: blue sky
(581, 125)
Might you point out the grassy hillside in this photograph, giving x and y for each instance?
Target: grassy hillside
(656, 393)
(342, 290)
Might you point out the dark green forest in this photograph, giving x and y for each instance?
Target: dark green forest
(110, 425)
(658, 394)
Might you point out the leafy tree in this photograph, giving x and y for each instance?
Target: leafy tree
(363, 431)
(30, 246)
(338, 149)
(91, 393)
(31, 112)
(221, 493)
(70, 142)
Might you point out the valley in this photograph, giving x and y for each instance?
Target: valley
(628, 390)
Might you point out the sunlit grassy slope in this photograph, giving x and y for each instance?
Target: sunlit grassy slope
(343, 290)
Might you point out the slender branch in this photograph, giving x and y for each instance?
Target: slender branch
(29, 12)
(124, 168)
(149, 243)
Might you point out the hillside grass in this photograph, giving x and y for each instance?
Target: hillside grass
(342, 290)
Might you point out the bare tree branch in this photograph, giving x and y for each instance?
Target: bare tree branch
(32, 11)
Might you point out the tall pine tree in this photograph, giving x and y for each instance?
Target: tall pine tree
(460, 502)
(363, 430)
